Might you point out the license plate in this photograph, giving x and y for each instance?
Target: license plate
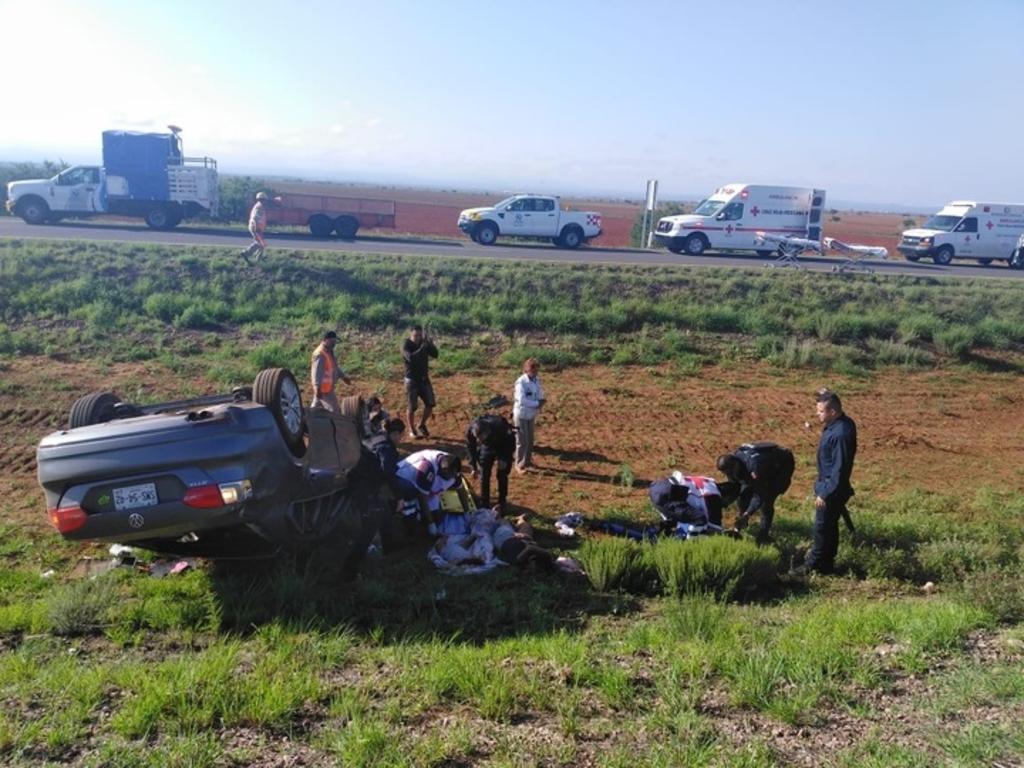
(135, 496)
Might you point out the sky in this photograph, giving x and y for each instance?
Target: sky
(910, 102)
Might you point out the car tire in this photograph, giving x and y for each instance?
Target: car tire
(346, 227)
(675, 248)
(943, 256)
(486, 233)
(33, 210)
(162, 217)
(912, 257)
(556, 241)
(277, 390)
(695, 244)
(984, 262)
(572, 237)
(321, 225)
(95, 408)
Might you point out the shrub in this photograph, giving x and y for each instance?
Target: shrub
(998, 592)
(82, 607)
(955, 342)
(549, 357)
(953, 559)
(193, 316)
(716, 565)
(613, 564)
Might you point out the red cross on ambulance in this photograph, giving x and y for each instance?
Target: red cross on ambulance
(754, 211)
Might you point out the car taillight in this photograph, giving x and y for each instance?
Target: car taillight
(203, 497)
(67, 519)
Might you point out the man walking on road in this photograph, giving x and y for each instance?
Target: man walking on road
(491, 440)
(257, 226)
(325, 373)
(529, 399)
(832, 490)
(416, 352)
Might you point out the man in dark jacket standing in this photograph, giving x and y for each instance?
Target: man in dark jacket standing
(836, 451)
(764, 471)
(416, 352)
(490, 440)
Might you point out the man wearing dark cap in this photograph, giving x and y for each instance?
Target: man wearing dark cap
(832, 490)
(763, 471)
(325, 373)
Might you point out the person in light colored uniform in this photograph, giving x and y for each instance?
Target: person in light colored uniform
(529, 399)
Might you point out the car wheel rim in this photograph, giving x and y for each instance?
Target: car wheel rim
(291, 406)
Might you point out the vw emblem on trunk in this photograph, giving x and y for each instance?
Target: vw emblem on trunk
(135, 520)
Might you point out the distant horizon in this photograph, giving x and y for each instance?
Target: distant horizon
(500, 190)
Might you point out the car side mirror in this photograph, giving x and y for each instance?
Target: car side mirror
(720, 217)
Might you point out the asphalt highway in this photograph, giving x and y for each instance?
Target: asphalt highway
(119, 232)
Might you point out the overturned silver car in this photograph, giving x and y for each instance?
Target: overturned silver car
(246, 474)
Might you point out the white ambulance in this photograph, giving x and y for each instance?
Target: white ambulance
(965, 229)
(730, 219)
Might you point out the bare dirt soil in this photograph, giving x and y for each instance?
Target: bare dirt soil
(605, 428)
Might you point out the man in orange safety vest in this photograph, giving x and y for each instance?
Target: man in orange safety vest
(325, 373)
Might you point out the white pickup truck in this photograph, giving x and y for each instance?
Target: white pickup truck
(530, 216)
(143, 175)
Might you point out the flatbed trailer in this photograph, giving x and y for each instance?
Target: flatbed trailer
(327, 214)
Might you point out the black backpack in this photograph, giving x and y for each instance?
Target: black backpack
(777, 463)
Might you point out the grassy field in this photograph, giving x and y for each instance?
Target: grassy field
(670, 655)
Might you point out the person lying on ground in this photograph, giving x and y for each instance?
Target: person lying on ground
(490, 441)
(427, 474)
(763, 472)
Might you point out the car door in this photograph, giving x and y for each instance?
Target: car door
(75, 190)
(545, 217)
(520, 217)
(730, 232)
(966, 236)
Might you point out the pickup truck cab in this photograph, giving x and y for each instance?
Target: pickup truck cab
(536, 216)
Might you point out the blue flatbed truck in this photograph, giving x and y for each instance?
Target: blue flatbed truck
(144, 175)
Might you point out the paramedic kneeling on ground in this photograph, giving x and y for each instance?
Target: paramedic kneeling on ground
(836, 451)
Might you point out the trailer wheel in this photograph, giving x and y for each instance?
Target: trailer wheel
(346, 227)
(486, 233)
(320, 225)
(276, 389)
(163, 217)
(695, 244)
(572, 237)
(944, 255)
(33, 210)
(96, 408)
(984, 262)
